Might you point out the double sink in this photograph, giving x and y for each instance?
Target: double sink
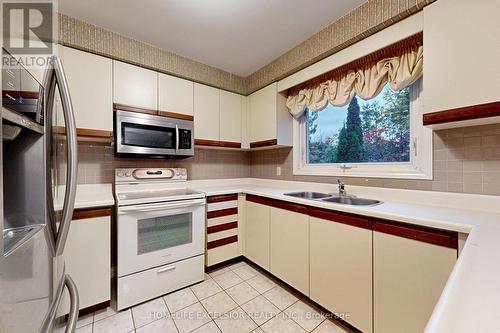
(345, 200)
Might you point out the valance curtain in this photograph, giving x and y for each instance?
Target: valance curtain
(399, 71)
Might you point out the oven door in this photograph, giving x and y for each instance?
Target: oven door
(145, 134)
(152, 235)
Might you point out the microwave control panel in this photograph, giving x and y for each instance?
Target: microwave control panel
(185, 138)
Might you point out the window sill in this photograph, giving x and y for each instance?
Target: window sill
(389, 170)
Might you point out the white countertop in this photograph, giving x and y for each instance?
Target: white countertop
(88, 196)
(471, 298)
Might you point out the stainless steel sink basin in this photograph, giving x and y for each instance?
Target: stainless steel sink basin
(352, 201)
(308, 195)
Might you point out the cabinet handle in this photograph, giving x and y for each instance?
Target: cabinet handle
(166, 269)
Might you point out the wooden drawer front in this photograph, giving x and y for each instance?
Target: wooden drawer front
(222, 197)
(222, 227)
(423, 234)
(222, 205)
(139, 287)
(222, 234)
(221, 242)
(222, 212)
(222, 253)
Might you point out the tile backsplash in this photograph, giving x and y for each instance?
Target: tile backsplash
(96, 163)
(465, 160)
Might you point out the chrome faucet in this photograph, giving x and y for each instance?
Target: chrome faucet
(342, 191)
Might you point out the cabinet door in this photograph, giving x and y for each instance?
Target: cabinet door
(90, 80)
(257, 233)
(289, 248)
(409, 277)
(175, 95)
(135, 86)
(206, 112)
(454, 76)
(230, 117)
(341, 270)
(263, 114)
(88, 259)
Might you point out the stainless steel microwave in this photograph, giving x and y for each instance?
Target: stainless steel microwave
(151, 135)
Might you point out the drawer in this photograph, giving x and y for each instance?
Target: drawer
(149, 284)
(222, 220)
(222, 234)
(221, 205)
(222, 253)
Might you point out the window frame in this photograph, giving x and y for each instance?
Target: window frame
(419, 167)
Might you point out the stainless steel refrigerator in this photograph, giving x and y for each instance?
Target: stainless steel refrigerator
(38, 175)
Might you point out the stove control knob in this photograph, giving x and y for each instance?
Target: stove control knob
(120, 174)
(183, 172)
(128, 174)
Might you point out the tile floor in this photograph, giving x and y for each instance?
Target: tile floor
(233, 299)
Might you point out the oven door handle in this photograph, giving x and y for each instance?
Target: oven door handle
(161, 206)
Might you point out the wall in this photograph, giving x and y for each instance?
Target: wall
(466, 160)
(96, 163)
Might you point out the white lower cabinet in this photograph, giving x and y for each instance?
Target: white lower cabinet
(408, 278)
(378, 276)
(341, 271)
(88, 259)
(289, 248)
(257, 233)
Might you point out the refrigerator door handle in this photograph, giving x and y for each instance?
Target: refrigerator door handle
(49, 83)
(74, 304)
(53, 75)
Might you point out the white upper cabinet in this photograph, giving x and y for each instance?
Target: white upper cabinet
(135, 86)
(269, 118)
(461, 49)
(90, 83)
(230, 117)
(206, 112)
(175, 95)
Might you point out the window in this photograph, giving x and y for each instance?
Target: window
(380, 137)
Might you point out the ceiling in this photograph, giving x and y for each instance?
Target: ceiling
(238, 36)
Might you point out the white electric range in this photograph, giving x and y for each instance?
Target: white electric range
(161, 233)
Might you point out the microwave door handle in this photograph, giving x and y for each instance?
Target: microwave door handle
(176, 139)
(72, 163)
